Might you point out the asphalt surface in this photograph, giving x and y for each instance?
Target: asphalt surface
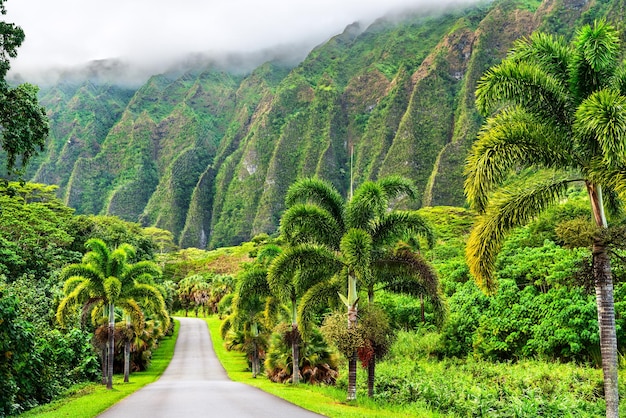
(196, 385)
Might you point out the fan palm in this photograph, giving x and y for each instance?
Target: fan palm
(338, 243)
(559, 109)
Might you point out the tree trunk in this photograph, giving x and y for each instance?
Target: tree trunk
(371, 374)
(126, 360)
(606, 305)
(105, 367)
(295, 354)
(352, 361)
(606, 322)
(255, 360)
(352, 365)
(111, 345)
(295, 343)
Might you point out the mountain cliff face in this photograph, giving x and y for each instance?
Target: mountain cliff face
(210, 154)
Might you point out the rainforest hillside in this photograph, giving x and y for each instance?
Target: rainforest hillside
(208, 153)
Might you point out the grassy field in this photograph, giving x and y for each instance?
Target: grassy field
(89, 400)
(325, 400)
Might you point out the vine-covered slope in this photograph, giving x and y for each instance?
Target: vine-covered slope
(209, 154)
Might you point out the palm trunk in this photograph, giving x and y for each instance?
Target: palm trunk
(606, 305)
(371, 365)
(606, 321)
(352, 363)
(255, 360)
(127, 351)
(295, 345)
(371, 374)
(105, 363)
(111, 345)
(126, 361)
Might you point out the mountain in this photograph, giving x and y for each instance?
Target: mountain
(209, 153)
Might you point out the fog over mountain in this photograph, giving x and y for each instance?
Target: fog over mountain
(137, 38)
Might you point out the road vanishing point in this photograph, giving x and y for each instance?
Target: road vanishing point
(196, 385)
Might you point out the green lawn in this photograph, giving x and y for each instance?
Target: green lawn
(89, 400)
(324, 400)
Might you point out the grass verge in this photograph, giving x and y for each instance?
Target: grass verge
(325, 400)
(89, 400)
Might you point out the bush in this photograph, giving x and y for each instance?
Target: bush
(318, 363)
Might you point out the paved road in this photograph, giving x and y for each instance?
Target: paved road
(196, 385)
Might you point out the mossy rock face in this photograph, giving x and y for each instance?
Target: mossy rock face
(209, 154)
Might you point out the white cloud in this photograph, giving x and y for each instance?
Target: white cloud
(68, 33)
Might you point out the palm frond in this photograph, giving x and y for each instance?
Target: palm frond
(599, 45)
(145, 269)
(98, 255)
(602, 117)
(368, 203)
(397, 186)
(85, 271)
(550, 52)
(309, 223)
(318, 192)
(72, 299)
(596, 55)
(268, 253)
(119, 259)
(510, 209)
(405, 271)
(396, 225)
(307, 261)
(356, 249)
(112, 288)
(253, 283)
(514, 138)
(322, 295)
(527, 85)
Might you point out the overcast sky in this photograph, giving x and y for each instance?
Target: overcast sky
(152, 33)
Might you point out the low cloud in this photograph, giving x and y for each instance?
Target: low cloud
(141, 37)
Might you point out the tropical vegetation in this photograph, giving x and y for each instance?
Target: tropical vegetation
(558, 109)
(513, 308)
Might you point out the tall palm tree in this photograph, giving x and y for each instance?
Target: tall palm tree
(289, 280)
(560, 110)
(102, 280)
(347, 242)
(253, 305)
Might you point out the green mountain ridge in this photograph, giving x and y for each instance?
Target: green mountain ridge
(209, 154)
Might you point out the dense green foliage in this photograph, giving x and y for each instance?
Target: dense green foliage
(38, 236)
(23, 122)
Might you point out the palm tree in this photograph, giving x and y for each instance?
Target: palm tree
(138, 296)
(289, 281)
(347, 242)
(560, 110)
(102, 280)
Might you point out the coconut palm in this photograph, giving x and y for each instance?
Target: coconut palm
(558, 109)
(345, 243)
(103, 280)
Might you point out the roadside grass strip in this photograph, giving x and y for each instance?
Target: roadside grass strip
(325, 400)
(89, 400)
